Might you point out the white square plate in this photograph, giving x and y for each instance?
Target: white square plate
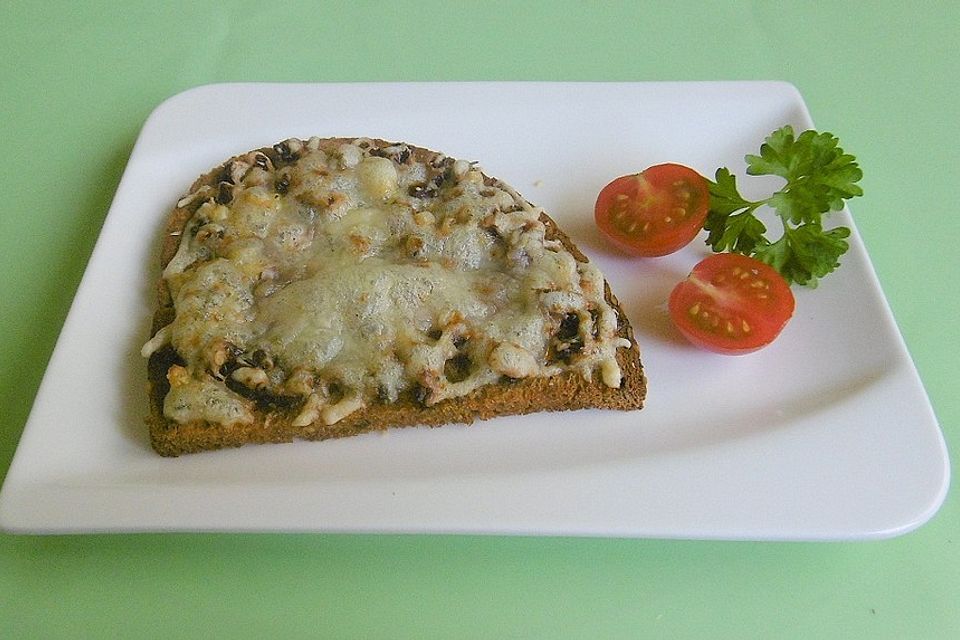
(826, 434)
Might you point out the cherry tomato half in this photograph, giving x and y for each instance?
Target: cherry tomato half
(655, 212)
(731, 304)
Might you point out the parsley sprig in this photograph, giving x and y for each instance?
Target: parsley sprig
(819, 176)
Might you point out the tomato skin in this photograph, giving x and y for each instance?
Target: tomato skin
(655, 212)
(731, 304)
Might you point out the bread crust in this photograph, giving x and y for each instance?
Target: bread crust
(566, 391)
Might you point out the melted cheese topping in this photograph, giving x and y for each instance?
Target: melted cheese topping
(334, 277)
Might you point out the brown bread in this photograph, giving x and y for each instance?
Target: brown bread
(274, 420)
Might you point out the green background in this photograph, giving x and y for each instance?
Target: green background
(78, 80)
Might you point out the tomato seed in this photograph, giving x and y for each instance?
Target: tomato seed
(695, 309)
(746, 327)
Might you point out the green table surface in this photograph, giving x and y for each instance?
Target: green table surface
(78, 80)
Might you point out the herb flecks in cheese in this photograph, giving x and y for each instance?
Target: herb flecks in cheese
(329, 276)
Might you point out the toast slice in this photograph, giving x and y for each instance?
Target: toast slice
(330, 287)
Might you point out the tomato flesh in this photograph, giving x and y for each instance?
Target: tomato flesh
(731, 304)
(655, 212)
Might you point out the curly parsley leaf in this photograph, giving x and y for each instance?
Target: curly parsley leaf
(805, 253)
(819, 177)
(729, 230)
(724, 196)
